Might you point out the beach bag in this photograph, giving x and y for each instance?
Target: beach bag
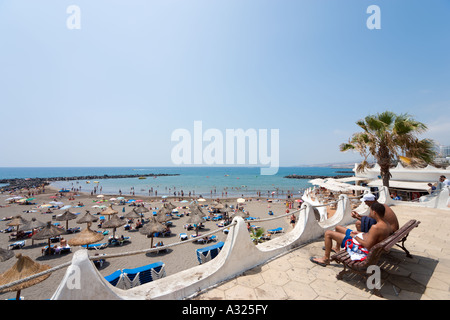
(355, 250)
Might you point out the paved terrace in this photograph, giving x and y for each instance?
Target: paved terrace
(292, 276)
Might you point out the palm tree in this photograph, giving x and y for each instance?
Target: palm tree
(389, 137)
(256, 234)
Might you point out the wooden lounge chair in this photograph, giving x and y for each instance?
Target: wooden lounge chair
(398, 238)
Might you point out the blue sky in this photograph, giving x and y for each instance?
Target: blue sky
(112, 92)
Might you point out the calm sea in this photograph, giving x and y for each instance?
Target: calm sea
(206, 181)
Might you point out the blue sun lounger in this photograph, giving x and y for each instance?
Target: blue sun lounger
(96, 246)
(277, 230)
(114, 277)
(130, 278)
(208, 253)
(16, 245)
(183, 236)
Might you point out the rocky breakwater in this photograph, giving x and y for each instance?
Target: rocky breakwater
(21, 183)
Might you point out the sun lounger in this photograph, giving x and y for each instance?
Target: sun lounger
(17, 245)
(183, 236)
(55, 239)
(45, 251)
(7, 230)
(74, 230)
(96, 246)
(265, 236)
(201, 240)
(212, 238)
(114, 277)
(119, 241)
(277, 230)
(159, 245)
(63, 250)
(130, 278)
(20, 235)
(208, 253)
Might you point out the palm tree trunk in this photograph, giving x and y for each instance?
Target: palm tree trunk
(384, 161)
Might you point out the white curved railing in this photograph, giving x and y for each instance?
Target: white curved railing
(83, 281)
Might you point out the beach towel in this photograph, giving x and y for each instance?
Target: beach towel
(347, 237)
(366, 223)
(355, 250)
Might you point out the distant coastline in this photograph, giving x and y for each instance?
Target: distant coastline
(19, 183)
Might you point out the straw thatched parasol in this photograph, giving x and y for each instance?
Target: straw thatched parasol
(49, 231)
(16, 222)
(23, 268)
(133, 214)
(86, 237)
(87, 218)
(113, 223)
(5, 254)
(162, 216)
(240, 213)
(151, 228)
(169, 206)
(195, 219)
(141, 209)
(227, 209)
(66, 216)
(109, 211)
(33, 224)
(196, 209)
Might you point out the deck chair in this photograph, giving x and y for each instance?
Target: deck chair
(138, 276)
(17, 245)
(277, 230)
(74, 230)
(96, 246)
(201, 240)
(114, 277)
(183, 236)
(63, 250)
(208, 253)
(119, 241)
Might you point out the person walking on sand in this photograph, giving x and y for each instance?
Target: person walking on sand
(292, 220)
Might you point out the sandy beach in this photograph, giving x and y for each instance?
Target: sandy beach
(176, 259)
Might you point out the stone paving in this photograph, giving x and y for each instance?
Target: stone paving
(293, 277)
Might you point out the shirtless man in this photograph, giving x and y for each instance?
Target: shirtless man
(363, 223)
(378, 232)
